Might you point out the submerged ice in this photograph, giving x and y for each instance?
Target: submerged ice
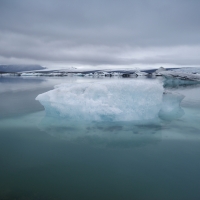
(171, 108)
(102, 134)
(105, 100)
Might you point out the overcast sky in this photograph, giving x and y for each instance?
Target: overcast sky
(100, 33)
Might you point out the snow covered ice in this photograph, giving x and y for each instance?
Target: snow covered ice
(139, 101)
(105, 100)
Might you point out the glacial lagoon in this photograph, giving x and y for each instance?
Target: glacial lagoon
(99, 138)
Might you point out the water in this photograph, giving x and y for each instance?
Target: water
(45, 157)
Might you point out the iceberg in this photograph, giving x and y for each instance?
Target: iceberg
(137, 101)
(105, 100)
(114, 113)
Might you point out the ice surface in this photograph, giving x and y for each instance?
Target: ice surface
(105, 100)
(139, 101)
(181, 75)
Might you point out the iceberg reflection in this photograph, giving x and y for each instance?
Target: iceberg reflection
(102, 134)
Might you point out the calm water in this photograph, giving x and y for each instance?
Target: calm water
(43, 157)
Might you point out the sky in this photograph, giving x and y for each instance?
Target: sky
(100, 33)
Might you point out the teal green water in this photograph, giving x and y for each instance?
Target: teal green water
(119, 161)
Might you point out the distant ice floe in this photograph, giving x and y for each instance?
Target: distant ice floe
(192, 74)
(181, 75)
(184, 74)
(190, 70)
(83, 74)
(139, 73)
(19, 68)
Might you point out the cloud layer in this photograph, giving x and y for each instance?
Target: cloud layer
(98, 33)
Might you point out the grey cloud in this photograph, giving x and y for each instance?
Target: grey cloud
(140, 22)
(56, 30)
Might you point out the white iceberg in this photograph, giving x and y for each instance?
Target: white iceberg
(115, 113)
(105, 100)
(138, 101)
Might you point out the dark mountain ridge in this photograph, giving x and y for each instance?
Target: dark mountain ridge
(19, 68)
